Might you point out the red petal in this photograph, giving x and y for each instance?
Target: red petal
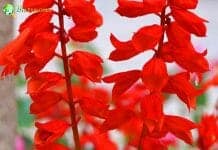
(52, 146)
(152, 107)
(43, 81)
(37, 4)
(123, 51)
(181, 85)
(190, 22)
(44, 101)
(38, 22)
(83, 33)
(87, 64)
(50, 131)
(180, 127)
(116, 118)
(154, 74)
(147, 37)
(177, 35)
(184, 57)
(44, 45)
(99, 109)
(185, 4)
(83, 12)
(131, 8)
(123, 81)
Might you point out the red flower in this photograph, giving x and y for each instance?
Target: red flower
(38, 22)
(83, 33)
(87, 64)
(52, 146)
(189, 21)
(37, 4)
(130, 8)
(44, 81)
(180, 85)
(187, 4)
(152, 107)
(154, 74)
(180, 127)
(44, 45)
(116, 117)
(177, 36)
(147, 37)
(49, 132)
(43, 101)
(15, 53)
(100, 108)
(85, 17)
(123, 81)
(184, 57)
(208, 132)
(98, 141)
(123, 50)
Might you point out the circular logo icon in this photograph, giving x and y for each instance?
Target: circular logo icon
(8, 9)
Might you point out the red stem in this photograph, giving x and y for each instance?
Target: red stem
(68, 77)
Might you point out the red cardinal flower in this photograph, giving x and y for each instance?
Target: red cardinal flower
(123, 81)
(37, 4)
(189, 21)
(50, 131)
(154, 74)
(87, 64)
(208, 132)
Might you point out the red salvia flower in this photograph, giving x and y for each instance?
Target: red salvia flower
(154, 74)
(38, 4)
(85, 17)
(188, 4)
(49, 132)
(87, 64)
(189, 21)
(180, 85)
(208, 132)
(123, 81)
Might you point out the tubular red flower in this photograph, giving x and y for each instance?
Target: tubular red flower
(37, 4)
(87, 64)
(154, 74)
(189, 21)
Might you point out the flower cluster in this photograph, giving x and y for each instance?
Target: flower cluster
(138, 94)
